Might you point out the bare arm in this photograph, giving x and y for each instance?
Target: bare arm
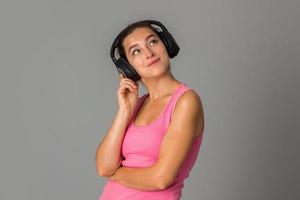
(142, 178)
(108, 154)
(187, 122)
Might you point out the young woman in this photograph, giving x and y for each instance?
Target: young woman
(154, 140)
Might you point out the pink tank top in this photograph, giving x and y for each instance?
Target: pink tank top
(140, 148)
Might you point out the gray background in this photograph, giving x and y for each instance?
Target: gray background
(58, 93)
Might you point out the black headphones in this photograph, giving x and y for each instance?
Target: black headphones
(122, 64)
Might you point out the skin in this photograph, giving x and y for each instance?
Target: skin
(187, 120)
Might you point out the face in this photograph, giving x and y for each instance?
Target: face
(146, 52)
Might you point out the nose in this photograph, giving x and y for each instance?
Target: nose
(148, 53)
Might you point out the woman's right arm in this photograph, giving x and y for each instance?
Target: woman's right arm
(108, 155)
(109, 151)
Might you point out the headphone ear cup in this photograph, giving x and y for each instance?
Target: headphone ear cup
(127, 70)
(170, 43)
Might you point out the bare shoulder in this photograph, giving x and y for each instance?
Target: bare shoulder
(188, 112)
(189, 100)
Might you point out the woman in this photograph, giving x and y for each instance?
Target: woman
(154, 140)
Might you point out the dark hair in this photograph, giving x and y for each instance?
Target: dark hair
(128, 30)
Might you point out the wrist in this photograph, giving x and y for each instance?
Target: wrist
(124, 113)
(114, 177)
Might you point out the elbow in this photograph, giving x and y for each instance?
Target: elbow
(102, 173)
(101, 170)
(105, 172)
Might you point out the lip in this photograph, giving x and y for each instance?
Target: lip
(153, 62)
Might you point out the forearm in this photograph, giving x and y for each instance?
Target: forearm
(108, 154)
(146, 178)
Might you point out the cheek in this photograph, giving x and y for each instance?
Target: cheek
(163, 51)
(135, 63)
(164, 54)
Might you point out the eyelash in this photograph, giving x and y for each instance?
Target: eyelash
(154, 40)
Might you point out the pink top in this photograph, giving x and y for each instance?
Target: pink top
(141, 146)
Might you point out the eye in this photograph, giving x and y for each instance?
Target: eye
(154, 41)
(135, 51)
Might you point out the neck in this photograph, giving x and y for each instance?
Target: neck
(161, 87)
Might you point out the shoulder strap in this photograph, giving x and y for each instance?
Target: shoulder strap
(175, 98)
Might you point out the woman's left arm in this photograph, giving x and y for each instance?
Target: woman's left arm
(187, 121)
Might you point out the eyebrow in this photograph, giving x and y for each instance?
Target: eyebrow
(149, 36)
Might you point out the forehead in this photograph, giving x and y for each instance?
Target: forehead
(138, 35)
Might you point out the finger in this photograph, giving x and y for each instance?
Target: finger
(122, 76)
(128, 81)
(128, 86)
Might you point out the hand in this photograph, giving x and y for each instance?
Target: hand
(127, 94)
(114, 176)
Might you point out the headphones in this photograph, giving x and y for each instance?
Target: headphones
(123, 65)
